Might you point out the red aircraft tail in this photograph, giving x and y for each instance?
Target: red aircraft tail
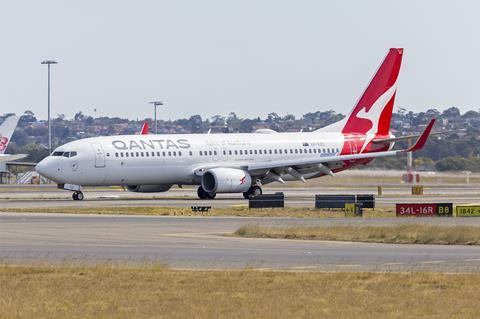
(373, 111)
(144, 130)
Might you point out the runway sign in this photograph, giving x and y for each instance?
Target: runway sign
(353, 210)
(276, 200)
(467, 211)
(201, 208)
(339, 201)
(424, 210)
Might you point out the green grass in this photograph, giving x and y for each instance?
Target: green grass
(397, 234)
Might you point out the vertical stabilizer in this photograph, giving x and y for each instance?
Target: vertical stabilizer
(6, 132)
(373, 112)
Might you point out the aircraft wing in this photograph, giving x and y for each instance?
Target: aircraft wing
(291, 165)
(12, 157)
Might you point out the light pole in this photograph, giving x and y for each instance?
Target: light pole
(155, 104)
(48, 63)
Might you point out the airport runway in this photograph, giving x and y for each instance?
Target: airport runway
(200, 242)
(27, 197)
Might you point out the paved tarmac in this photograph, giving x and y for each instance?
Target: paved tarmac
(201, 243)
(20, 197)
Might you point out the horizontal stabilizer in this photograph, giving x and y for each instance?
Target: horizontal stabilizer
(411, 137)
(420, 143)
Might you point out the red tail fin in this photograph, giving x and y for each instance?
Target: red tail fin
(144, 130)
(373, 111)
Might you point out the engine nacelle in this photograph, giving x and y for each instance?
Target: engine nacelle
(148, 188)
(226, 180)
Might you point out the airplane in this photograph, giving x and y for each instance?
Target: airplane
(237, 162)
(6, 132)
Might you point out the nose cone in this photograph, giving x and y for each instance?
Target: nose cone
(46, 168)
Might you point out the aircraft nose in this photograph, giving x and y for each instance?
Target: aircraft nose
(45, 168)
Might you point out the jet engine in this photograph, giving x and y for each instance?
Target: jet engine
(226, 180)
(148, 188)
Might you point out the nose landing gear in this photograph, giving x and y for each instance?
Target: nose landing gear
(77, 195)
(202, 194)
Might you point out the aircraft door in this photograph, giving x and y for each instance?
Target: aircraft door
(223, 154)
(215, 154)
(353, 146)
(99, 155)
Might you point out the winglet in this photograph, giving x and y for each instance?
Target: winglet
(144, 130)
(420, 143)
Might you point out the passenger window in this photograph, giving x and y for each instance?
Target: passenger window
(260, 152)
(179, 153)
(214, 152)
(269, 151)
(169, 153)
(108, 154)
(229, 152)
(200, 152)
(241, 152)
(137, 154)
(255, 152)
(121, 154)
(190, 152)
(210, 153)
(158, 154)
(224, 153)
(146, 154)
(174, 153)
(116, 154)
(126, 154)
(236, 152)
(275, 151)
(141, 154)
(153, 153)
(163, 154)
(296, 151)
(310, 150)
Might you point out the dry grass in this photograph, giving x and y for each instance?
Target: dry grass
(239, 210)
(398, 234)
(104, 291)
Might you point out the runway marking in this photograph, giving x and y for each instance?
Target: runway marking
(432, 262)
(304, 267)
(348, 266)
(392, 264)
(475, 259)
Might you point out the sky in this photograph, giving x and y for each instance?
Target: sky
(249, 57)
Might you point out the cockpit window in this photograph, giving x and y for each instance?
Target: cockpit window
(64, 154)
(70, 154)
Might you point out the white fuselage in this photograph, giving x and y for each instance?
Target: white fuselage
(175, 158)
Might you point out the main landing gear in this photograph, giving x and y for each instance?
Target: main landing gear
(253, 191)
(202, 194)
(77, 195)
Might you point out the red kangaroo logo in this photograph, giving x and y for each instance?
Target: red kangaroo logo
(3, 143)
(242, 180)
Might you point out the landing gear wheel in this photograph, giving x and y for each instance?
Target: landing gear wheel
(256, 190)
(78, 196)
(211, 195)
(253, 191)
(202, 194)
